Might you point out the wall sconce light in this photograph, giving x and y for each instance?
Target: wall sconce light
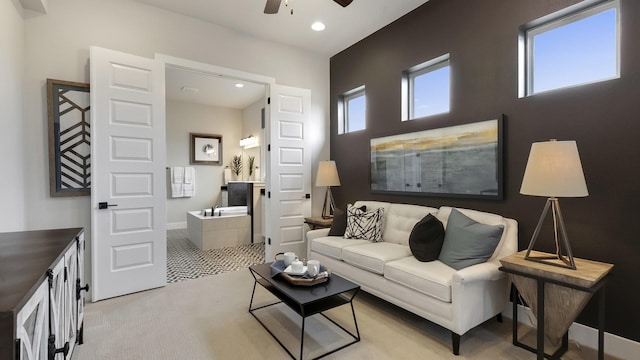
(249, 142)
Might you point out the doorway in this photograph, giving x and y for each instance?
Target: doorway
(219, 104)
(129, 216)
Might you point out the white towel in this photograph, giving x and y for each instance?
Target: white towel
(189, 185)
(177, 175)
(189, 175)
(177, 186)
(177, 190)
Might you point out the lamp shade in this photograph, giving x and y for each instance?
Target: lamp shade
(554, 170)
(327, 174)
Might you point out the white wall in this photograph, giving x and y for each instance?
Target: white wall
(12, 206)
(252, 125)
(57, 46)
(182, 119)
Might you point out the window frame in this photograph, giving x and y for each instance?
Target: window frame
(343, 109)
(554, 21)
(408, 85)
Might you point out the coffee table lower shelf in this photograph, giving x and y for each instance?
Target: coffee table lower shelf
(305, 305)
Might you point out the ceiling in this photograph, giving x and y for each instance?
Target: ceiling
(211, 90)
(344, 27)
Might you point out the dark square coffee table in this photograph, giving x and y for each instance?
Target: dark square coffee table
(306, 300)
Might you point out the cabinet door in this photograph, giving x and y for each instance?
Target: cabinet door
(81, 283)
(57, 305)
(70, 304)
(32, 325)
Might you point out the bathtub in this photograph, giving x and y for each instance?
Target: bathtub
(230, 211)
(232, 227)
(225, 211)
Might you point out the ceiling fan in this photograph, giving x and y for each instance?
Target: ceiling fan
(272, 6)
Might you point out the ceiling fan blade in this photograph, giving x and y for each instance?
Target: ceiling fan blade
(272, 6)
(344, 3)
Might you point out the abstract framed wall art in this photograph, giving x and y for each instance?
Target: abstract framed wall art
(206, 149)
(457, 161)
(69, 138)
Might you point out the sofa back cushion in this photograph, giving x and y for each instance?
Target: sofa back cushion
(400, 220)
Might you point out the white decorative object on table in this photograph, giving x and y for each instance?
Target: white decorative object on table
(313, 267)
(289, 257)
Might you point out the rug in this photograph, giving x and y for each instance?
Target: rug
(185, 261)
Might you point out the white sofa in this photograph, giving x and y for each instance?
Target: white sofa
(456, 300)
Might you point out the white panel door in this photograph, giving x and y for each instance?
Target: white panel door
(288, 182)
(128, 159)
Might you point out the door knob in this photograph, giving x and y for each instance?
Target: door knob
(105, 205)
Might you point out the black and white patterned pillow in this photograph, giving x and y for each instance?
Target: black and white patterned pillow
(366, 225)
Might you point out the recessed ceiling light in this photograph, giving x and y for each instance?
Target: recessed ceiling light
(239, 85)
(317, 26)
(189, 90)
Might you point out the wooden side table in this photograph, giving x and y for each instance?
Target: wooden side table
(318, 222)
(557, 296)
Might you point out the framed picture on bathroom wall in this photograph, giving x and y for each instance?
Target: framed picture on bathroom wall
(206, 149)
(458, 161)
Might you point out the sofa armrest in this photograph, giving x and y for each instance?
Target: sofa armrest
(478, 293)
(318, 233)
(479, 272)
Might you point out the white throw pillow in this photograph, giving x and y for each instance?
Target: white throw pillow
(366, 225)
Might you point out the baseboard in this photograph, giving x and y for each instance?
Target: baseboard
(614, 345)
(177, 225)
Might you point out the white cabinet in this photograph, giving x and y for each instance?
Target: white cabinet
(32, 324)
(45, 292)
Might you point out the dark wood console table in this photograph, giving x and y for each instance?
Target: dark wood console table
(41, 273)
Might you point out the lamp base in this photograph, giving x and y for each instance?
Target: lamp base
(559, 260)
(328, 196)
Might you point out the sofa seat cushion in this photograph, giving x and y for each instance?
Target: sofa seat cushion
(332, 245)
(373, 256)
(432, 278)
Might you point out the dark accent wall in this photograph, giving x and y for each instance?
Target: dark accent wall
(604, 119)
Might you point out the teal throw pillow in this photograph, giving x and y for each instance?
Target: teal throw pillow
(468, 242)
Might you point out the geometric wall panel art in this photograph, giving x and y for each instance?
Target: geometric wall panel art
(69, 138)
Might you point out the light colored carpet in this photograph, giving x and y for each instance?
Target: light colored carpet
(208, 318)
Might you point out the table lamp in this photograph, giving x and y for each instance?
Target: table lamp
(554, 170)
(327, 176)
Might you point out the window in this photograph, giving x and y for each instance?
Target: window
(426, 89)
(575, 46)
(352, 110)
